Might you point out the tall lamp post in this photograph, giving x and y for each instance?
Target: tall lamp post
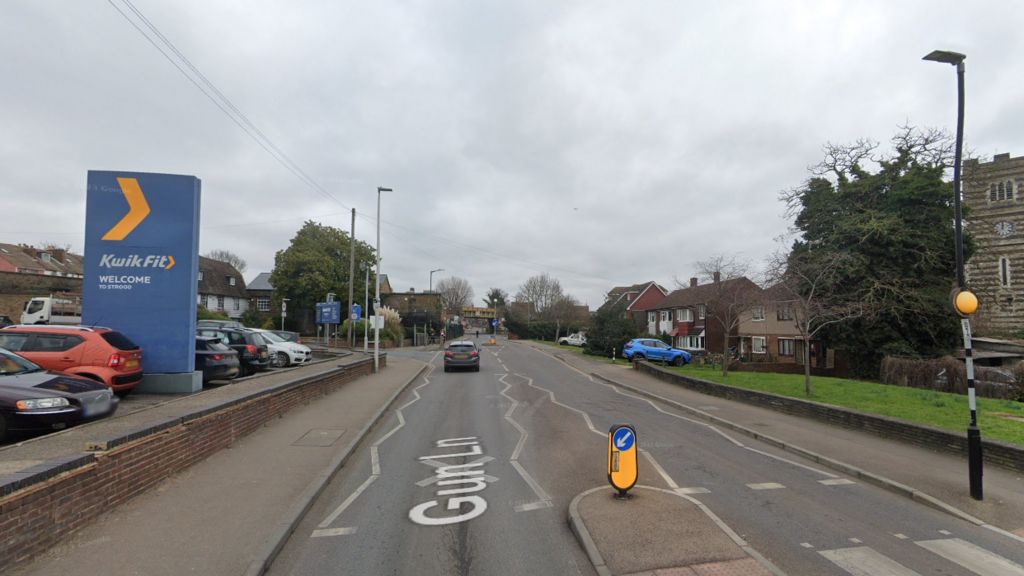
(432, 280)
(974, 456)
(376, 298)
(366, 305)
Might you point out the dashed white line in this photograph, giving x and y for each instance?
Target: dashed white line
(693, 490)
(543, 499)
(807, 545)
(972, 557)
(945, 532)
(333, 532)
(864, 561)
(836, 482)
(856, 540)
(901, 536)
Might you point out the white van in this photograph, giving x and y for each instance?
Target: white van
(53, 310)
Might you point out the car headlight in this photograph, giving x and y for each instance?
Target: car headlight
(42, 403)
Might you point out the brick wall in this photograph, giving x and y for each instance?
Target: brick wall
(41, 506)
(995, 452)
(16, 289)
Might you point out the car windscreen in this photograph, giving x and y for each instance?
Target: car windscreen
(11, 363)
(270, 336)
(119, 341)
(462, 348)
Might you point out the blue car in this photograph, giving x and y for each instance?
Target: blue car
(654, 349)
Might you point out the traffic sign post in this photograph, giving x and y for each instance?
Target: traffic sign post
(622, 460)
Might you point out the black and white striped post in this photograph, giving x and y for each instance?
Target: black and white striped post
(964, 302)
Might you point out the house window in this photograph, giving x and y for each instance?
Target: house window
(220, 302)
(700, 311)
(785, 346)
(650, 317)
(1004, 271)
(200, 275)
(238, 303)
(263, 304)
(664, 315)
(758, 312)
(784, 312)
(757, 344)
(231, 280)
(684, 315)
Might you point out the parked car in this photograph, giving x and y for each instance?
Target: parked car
(461, 354)
(5, 320)
(216, 360)
(35, 399)
(253, 353)
(287, 335)
(219, 324)
(284, 353)
(654, 349)
(94, 352)
(575, 339)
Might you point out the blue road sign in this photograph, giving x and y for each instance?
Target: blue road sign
(141, 263)
(494, 322)
(328, 313)
(623, 439)
(356, 311)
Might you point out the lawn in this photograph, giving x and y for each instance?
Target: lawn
(938, 409)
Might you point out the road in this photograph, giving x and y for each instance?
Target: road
(474, 472)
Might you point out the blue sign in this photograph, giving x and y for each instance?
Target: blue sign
(623, 439)
(328, 313)
(356, 311)
(494, 323)
(141, 263)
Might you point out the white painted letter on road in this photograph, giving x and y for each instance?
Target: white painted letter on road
(470, 476)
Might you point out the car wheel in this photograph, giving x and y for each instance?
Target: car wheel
(678, 361)
(476, 369)
(638, 356)
(3, 427)
(281, 360)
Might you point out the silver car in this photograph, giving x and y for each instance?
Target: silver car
(461, 354)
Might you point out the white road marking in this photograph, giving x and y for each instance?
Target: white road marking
(586, 417)
(863, 561)
(693, 490)
(661, 471)
(333, 532)
(375, 470)
(856, 540)
(766, 486)
(901, 536)
(945, 532)
(836, 482)
(973, 558)
(544, 500)
(438, 464)
(807, 545)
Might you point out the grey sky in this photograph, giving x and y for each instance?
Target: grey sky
(605, 143)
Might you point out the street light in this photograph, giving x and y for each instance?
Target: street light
(432, 278)
(366, 306)
(974, 456)
(376, 299)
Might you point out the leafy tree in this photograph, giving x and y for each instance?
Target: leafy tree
(610, 331)
(228, 257)
(892, 234)
(455, 294)
(315, 263)
(496, 298)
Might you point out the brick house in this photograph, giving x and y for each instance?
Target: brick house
(637, 298)
(44, 261)
(687, 314)
(221, 288)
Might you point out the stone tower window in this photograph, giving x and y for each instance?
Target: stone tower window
(1009, 189)
(992, 192)
(1004, 272)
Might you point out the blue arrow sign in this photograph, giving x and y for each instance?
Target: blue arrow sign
(494, 322)
(623, 439)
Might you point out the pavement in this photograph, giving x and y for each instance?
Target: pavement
(231, 513)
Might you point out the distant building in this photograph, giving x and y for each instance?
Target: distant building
(221, 288)
(994, 197)
(261, 294)
(44, 261)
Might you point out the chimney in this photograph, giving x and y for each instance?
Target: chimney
(693, 282)
(717, 277)
(60, 254)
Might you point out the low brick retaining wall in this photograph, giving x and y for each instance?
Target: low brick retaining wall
(42, 505)
(995, 452)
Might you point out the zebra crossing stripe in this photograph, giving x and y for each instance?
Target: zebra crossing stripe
(972, 557)
(864, 561)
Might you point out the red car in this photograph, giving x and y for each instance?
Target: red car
(98, 353)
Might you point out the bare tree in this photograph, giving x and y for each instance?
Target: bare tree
(228, 257)
(732, 294)
(455, 294)
(802, 282)
(540, 292)
(563, 312)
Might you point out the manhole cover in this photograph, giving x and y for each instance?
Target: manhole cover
(319, 437)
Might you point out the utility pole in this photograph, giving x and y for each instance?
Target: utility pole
(351, 275)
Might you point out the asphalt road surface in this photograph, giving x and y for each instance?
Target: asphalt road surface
(473, 473)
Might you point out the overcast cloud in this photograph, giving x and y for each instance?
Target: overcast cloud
(605, 143)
